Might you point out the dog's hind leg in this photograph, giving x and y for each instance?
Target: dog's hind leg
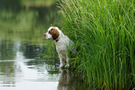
(67, 62)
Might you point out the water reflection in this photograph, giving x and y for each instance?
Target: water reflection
(6, 50)
(22, 71)
(64, 80)
(69, 81)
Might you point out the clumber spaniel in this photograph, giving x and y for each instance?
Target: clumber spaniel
(63, 44)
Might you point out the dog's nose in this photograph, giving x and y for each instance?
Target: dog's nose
(44, 35)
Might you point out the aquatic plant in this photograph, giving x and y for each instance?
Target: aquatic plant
(104, 32)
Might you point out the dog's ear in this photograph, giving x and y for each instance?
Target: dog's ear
(55, 33)
(55, 36)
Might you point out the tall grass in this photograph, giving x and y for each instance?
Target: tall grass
(105, 34)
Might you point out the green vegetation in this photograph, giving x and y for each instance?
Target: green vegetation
(104, 32)
(27, 25)
(38, 3)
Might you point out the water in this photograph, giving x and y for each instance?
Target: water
(24, 69)
(27, 61)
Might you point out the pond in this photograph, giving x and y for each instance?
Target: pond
(24, 60)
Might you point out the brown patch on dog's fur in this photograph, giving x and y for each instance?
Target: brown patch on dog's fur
(54, 32)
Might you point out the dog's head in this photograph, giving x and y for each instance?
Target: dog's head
(52, 33)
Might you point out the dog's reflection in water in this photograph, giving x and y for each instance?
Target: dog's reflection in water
(64, 81)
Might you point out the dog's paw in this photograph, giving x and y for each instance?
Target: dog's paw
(67, 66)
(61, 66)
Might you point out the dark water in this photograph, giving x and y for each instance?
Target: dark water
(24, 60)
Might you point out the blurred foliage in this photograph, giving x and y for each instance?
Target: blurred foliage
(7, 50)
(27, 24)
(13, 5)
(38, 3)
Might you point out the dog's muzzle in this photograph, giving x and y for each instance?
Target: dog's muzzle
(44, 35)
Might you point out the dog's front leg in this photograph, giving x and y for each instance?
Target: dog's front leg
(62, 63)
(67, 62)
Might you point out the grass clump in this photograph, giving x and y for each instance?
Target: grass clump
(105, 34)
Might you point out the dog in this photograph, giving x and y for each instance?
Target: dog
(63, 45)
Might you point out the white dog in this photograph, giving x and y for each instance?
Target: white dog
(63, 44)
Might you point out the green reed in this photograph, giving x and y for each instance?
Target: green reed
(104, 35)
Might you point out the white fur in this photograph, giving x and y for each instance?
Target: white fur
(48, 36)
(62, 46)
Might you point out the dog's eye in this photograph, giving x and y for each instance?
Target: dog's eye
(49, 32)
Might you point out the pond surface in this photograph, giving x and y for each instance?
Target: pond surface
(23, 69)
(27, 61)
